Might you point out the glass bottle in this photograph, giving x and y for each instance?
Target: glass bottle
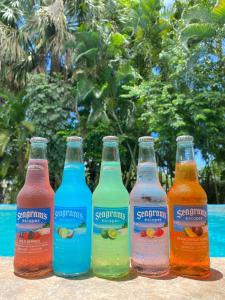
(34, 216)
(110, 249)
(148, 211)
(189, 246)
(72, 216)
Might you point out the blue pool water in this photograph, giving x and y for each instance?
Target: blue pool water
(216, 229)
(7, 229)
(216, 215)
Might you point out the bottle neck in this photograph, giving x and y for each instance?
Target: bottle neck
(147, 168)
(110, 167)
(186, 169)
(74, 166)
(38, 151)
(37, 171)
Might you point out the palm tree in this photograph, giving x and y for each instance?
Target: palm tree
(28, 33)
(202, 22)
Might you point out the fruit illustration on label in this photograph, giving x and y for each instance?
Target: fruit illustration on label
(37, 235)
(25, 235)
(112, 233)
(150, 232)
(198, 230)
(189, 232)
(65, 233)
(159, 232)
(31, 235)
(143, 233)
(104, 234)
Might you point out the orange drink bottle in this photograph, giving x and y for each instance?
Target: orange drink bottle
(189, 245)
(34, 226)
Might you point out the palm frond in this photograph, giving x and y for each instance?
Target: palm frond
(219, 11)
(50, 24)
(4, 139)
(11, 41)
(197, 13)
(198, 31)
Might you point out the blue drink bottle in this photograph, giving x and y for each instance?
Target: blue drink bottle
(72, 216)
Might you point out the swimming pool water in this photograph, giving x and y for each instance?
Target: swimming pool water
(7, 229)
(216, 230)
(216, 217)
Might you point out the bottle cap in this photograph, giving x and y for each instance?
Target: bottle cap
(185, 138)
(74, 139)
(37, 139)
(146, 139)
(110, 138)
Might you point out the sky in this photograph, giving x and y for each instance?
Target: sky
(199, 160)
(168, 2)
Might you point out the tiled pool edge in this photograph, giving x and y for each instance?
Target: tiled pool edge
(132, 288)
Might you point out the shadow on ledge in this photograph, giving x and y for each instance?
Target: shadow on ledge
(215, 275)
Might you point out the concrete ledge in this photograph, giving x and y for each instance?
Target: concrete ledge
(92, 288)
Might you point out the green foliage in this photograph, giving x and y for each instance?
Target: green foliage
(197, 31)
(219, 11)
(51, 103)
(14, 131)
(203, 22)
(128, 68)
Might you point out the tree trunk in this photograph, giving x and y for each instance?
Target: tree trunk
(127, 143)
(55, 65)
(131, 168)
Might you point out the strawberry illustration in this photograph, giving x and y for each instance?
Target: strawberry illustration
(159, 232)
(143, 233)
(36, 235)
(25, 235)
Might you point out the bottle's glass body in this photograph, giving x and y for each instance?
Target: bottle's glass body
(72, 216)
(34, 221)
(148, 215)
(110, 249)
(189, 245)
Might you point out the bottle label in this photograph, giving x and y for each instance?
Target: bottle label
(33, 233)
(70, 222)
(150, 222)
(110, 222)
(190, 228)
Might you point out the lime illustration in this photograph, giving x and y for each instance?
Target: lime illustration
(104, 234)
(63, 233)
(112, 233)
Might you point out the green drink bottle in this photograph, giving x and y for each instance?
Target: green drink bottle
(110, 241)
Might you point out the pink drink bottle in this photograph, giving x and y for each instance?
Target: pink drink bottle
(34, 217)
(148, 215)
